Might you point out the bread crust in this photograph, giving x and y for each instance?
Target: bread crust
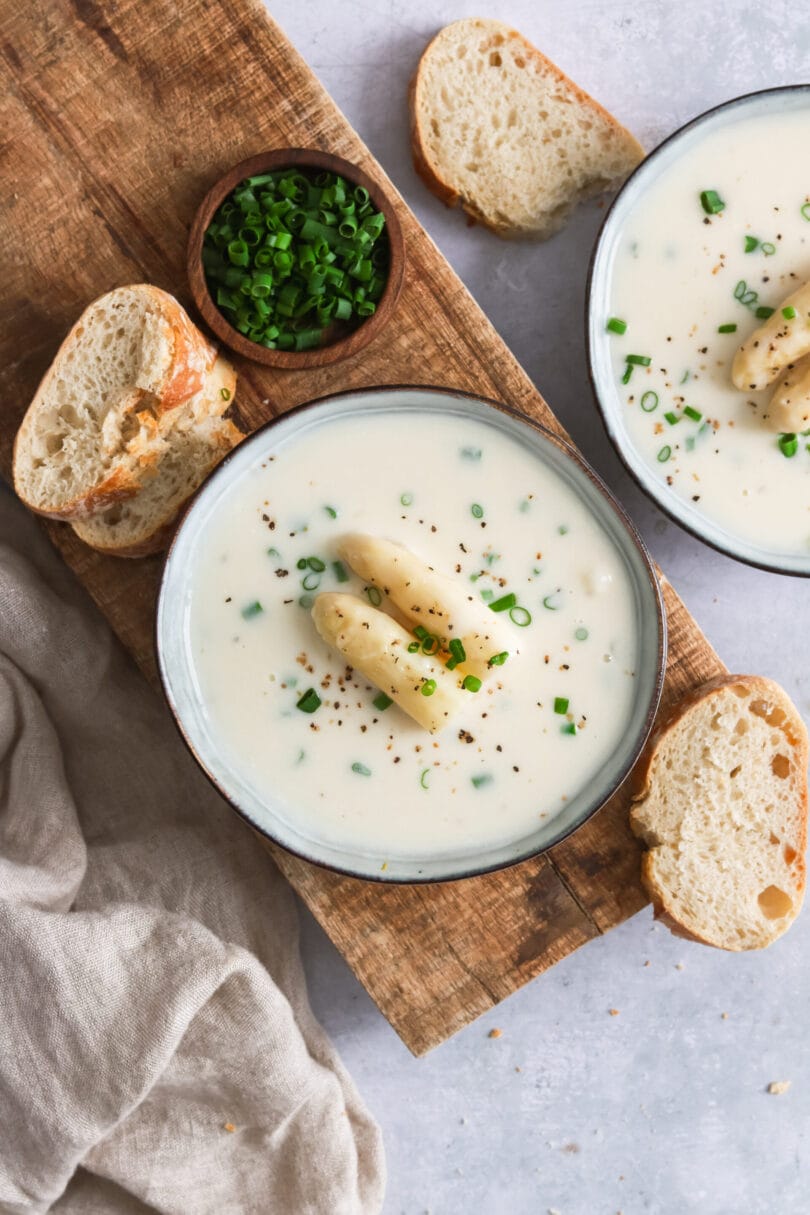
(429, 171)
(754, 684)
(193, 357)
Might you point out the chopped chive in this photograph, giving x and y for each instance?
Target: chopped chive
(568, 728)
(549, 605)
(788, 445)
(684, 377)
(711, 202)
(251, 610)
(309, 702)
(487, 595)
(406, 499)
(649, 401)
(301, 563)
(672, 418)
(373, 594)
(430, 645)
(471, 683)
(805, 211)
(504, 603)
(361, 769)
(331, 512)
(316, 564)
(520, 616)
(726, 328)
(457, 650)
(525, 506)
(306, 601)
(562, 530)
(477, 511)
(424, 778)
(470, 453)
(763, 312)
(581, 633)
(789, 312)
(768, 249)
(751, 243)
(615, 325)
(413, 647)
(311, 581)
(497, 660)
(694, 414)
(273, 552)
(382, 702)
(287, 255)
(561, 705)
(428, 687)
(638, 360)
(740, 289)
(339, 570)
(664, 454)
(480, 781)
(451, 664)
(225, 393)
(628, 371)
(421, 632)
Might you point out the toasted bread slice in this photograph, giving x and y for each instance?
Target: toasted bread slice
(722, 808)
(92, 433)
(496, 126)
(196, 440)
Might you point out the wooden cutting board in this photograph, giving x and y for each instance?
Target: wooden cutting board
(116, 118)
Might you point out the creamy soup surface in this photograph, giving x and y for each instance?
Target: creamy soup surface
(679, 275)
(477, 506)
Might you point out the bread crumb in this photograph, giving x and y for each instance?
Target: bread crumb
(517, 1069)
(724, 1016)
(679, 965)
(495, 1033)
(647, 962)
(229, 1127)
(614, 1012)
(777, 1087)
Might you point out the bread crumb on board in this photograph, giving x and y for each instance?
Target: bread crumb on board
(229, 1127)
(614, 1012)
(495, 1033)
(777, 1087)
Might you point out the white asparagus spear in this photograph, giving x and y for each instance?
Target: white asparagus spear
(444, 607)
(377, 646)
(789, 407)
(779, 342)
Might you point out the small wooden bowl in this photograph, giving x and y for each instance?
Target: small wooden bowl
(343, 345)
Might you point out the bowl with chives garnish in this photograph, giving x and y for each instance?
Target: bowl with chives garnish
(296, 258)
(410, 661)
(698, 328)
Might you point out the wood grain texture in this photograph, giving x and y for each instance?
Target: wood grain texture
(117, 118)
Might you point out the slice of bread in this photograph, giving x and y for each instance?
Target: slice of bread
(196, 439)
(496, 126)
(722, 808)
(92, 433)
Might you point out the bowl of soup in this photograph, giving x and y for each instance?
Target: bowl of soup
(695, 275)
(410, 635)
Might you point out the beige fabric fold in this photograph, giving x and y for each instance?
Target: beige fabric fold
(157, 1049)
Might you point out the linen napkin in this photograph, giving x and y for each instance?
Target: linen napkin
(157, 1048)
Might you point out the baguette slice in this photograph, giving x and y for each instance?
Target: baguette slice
(92, 433)
(496, 126)
(722, 809)
(196, 441)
